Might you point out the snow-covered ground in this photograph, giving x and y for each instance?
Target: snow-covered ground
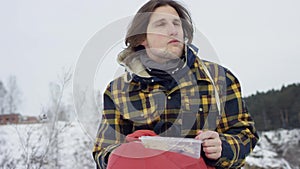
(66, 146)
(63, 145)
(277, 149)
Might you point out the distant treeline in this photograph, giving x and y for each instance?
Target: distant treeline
(276, 108)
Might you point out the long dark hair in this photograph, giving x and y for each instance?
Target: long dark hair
(136, 33)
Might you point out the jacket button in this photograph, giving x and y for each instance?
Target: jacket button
(169, 97)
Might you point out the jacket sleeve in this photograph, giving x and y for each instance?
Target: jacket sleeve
(110, 133)
(236, 128)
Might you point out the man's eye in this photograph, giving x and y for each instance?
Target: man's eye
(177, 24)
(161, 24)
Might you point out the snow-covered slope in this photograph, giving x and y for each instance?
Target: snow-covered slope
(277, 149)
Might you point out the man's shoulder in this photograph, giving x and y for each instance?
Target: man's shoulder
(219, 71)
(213, 67)
(119, 79)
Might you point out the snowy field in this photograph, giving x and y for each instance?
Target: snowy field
(43, 146)
(66, 146)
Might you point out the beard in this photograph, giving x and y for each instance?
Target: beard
(166, 53)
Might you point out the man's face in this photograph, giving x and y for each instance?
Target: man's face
(164, 40)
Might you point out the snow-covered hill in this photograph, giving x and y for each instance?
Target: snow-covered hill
(66, 146)
(278, 149)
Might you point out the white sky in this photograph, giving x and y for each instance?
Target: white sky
(257, 40)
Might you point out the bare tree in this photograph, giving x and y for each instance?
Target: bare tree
(44, 151)
(43, 145)
(7, 160)
(2, 97)
(13, 96)
(57, 93)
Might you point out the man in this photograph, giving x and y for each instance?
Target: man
(168, 89)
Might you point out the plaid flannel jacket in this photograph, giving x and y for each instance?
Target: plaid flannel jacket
(189, 106)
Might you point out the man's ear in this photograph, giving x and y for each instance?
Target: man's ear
(145, 43)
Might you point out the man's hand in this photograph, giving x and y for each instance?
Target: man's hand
(211, 143)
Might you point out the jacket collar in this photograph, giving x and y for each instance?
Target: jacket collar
(136, 70)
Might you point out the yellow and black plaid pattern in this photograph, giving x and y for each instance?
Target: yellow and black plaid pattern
(133, 106)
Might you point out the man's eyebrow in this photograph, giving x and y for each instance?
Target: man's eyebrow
(177, 20)
(160, 20)
(163, 19)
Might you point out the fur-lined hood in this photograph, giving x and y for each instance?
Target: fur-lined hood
(132, 62)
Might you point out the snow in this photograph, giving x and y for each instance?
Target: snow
(44, 146)
(66, 146)
(275, 150)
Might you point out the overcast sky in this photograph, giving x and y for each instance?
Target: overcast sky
(257, 40)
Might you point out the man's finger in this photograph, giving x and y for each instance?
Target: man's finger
(207, 135)
(211, 142)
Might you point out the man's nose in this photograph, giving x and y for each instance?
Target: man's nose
(172, 30)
